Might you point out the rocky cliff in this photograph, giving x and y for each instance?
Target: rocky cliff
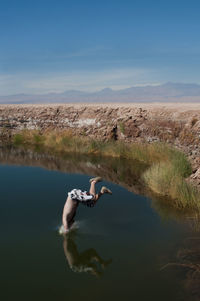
(177, 124)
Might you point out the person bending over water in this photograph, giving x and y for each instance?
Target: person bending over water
(77, 196)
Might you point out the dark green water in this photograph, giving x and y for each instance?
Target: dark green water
(117, 252)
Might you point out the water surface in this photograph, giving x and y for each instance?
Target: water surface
(119, 249)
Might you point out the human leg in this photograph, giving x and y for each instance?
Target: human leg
(105, 190)
(96, 179)
(93, 181)
(102, 191)
(93, 190)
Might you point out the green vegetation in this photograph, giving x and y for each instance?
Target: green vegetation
(167, 167)
(122, 127)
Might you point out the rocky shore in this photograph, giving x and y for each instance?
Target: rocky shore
(178, 124)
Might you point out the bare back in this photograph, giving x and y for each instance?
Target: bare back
(69, 210)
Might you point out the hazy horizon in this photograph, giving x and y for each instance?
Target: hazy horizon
(168, 92)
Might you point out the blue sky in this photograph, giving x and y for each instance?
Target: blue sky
(53, 46)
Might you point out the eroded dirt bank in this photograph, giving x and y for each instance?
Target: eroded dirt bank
(177, 124)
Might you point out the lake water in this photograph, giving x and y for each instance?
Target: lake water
(119, 250)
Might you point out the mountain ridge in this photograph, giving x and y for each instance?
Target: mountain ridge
(167, 92)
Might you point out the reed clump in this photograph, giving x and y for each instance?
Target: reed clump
(167, 167)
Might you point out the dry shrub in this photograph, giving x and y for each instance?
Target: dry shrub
(187, 136)
(151, 153)
(27, 137)
(165, 129)
(158, 177)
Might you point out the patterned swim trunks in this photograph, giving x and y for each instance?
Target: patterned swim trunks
(83, 197)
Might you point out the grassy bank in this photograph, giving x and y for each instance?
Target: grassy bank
(167, 170)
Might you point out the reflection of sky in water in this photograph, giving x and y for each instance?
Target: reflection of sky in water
(122, 227)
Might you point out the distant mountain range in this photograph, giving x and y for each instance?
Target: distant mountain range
(169, 92)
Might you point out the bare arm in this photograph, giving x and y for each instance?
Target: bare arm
(64, 216)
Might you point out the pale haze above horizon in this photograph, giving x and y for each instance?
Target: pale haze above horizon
(56, 46)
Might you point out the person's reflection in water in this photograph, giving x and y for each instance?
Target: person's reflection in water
(87, 261)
